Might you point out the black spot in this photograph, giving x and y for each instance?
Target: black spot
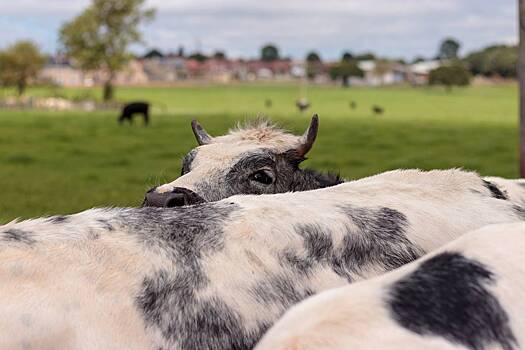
(16, 235)
(379, 239)
(192, 323)
(58, 219)
(447, 297)
(318, 247)
(298, 262)
(317, 241)
(494, 190)
(281, 290)
(183, 232)
(169, 302)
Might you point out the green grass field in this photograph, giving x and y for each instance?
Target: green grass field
(64, 162)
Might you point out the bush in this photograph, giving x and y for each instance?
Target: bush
(449, 76)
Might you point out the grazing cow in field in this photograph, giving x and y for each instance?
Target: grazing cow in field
(218, 275)
(468, 295)
(378, 110)
(259, 159)
(131, 109)
(302, 104)
(256, 159)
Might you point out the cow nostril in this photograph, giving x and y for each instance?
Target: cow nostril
(175, 200)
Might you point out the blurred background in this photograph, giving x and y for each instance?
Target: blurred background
(397, 84)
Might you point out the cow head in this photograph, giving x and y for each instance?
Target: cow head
(257, 158)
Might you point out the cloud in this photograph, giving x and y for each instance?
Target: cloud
(395, 28)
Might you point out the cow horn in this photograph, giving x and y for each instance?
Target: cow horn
(308, 138)
(203, 138)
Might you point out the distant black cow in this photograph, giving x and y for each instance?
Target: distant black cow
(302, 104)
(353, 105)
(268, 103)
(130, 109)
(378, 110)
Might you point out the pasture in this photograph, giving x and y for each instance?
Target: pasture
(63, 162)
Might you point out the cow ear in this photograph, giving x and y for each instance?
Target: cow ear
(203, 138)
(308, 138)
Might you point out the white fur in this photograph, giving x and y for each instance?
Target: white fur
(69, 290)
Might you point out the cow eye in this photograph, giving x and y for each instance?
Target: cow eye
(262, 177)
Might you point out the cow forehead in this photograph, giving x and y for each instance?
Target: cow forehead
(223, 155)
(270, 137)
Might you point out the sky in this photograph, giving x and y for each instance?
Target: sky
(389, 28)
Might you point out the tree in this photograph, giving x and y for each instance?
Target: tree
(367, 56)
(219, 55)
(269, 52)
(449, 49)
(314, 66)
(20, 63)
(347, 56)
(99, 37)
(499, 60)
(450, 75)
(344, 70)
(198, 56)
(313, 56)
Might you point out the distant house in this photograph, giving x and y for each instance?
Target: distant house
(62, 75)
(133, 74)
(59, 71)
(418, 72)
(278, 69)
(161, 69)
(380, 73)
(298, 69)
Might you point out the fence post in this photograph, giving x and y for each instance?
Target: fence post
(521, 78)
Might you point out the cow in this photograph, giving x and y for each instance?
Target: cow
(259, 158)
(377, 110)
(131, 109)
(217, 275)
(468, 295)
(302, 104)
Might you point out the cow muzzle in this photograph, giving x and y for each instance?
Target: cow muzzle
(178, 197)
